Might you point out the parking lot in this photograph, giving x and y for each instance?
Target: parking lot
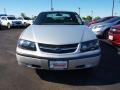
(14, 77)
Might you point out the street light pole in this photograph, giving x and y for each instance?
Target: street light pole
(113, 7)
(79, 11)
(52, 5)
(92, 14)
(5, 11)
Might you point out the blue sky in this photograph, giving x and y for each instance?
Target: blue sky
(33, 7)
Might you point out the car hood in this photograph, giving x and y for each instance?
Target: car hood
(57, 34)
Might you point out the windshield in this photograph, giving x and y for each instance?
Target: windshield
(58, 18)
(112, 20)
(11, 18)
(27, 18)
(104, 19)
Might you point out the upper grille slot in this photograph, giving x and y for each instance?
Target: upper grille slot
(69, 48)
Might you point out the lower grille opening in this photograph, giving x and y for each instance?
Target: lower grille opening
(36, 66)
(33, 66)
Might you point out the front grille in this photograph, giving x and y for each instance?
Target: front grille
(58, 49)
(17, 22)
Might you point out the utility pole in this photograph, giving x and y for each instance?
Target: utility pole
(113, 7)
(5, 11)
(115, 13)
(92, 14)
(52, 5)
(79, 10)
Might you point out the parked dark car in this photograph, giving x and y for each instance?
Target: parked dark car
(102, 29)
(100, 20)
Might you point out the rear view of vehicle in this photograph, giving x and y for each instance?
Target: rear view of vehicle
(58, 40)
(114, 35)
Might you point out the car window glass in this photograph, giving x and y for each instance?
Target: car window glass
(78, 18)
(27, 18)
(112, 20)
(11, 18)
(104, 19)
(3, 18)
(58, 18)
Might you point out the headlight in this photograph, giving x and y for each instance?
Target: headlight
(28, 45)
(115, 31)
(89, 45)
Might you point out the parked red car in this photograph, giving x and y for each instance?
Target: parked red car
(114, 35)
(100, 20)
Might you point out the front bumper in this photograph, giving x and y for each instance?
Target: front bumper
(81, 62)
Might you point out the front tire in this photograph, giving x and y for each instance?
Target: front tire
(105, 34)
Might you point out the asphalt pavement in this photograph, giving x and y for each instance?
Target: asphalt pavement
(14, 77)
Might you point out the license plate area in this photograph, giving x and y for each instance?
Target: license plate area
(110, 37)
(58, 65)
